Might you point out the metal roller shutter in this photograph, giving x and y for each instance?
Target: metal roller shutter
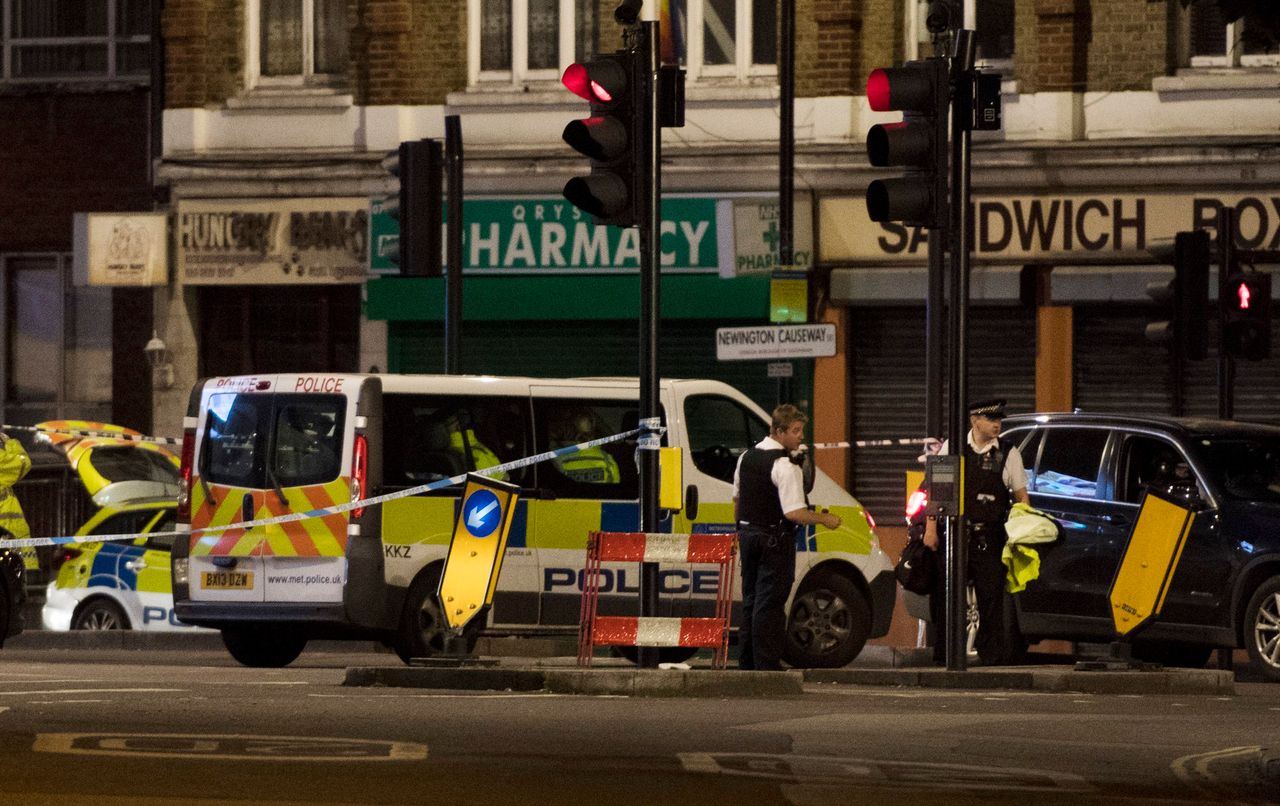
(887, 363)
(581, 348)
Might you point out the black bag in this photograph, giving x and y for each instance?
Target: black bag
(916, 567)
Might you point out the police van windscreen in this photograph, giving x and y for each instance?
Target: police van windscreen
(264, 441)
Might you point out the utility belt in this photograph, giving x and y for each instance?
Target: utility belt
(772, 528)
(986, 535)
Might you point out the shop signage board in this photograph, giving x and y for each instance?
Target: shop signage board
(768, 342)
(1112, 225)
(272, 242)
(120, 249)
(731, 236)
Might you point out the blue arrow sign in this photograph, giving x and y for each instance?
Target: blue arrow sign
(482, 513)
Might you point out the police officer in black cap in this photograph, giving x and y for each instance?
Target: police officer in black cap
(769, 498)
(994, 478)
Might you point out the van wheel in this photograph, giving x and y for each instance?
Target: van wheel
(829, 623)
(264, 647)
(1262, 629)
(100, 614)
(422, 632)
(666, 654)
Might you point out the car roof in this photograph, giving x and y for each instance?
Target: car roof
(1187, 426)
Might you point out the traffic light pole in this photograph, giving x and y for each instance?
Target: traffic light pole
(787, 138)
(957, 535)
(453, 271)
(645, 45)
(1226, 268)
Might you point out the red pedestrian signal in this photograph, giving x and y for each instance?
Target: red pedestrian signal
(610, 138)
(922, 92)
(1246, 316)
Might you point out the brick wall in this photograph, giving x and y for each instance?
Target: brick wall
(1131, 44)
(828, 47)
(69, 152)
(881, 38)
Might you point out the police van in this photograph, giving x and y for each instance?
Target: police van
(255, 447)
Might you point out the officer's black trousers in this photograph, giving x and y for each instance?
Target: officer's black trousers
(768, 569)
(986, 572)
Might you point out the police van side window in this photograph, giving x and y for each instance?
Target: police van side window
(1069, 462)
(434, 437)
(605, 471)
(720, 429)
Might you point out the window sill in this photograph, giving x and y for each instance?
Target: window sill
(295, 99)
(1226, 79)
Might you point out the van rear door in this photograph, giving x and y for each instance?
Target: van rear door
(270, 446)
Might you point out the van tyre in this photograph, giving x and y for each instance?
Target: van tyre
(829, 623)
(422, 632)
(263, 648)
(1262, 629)
(100, 614)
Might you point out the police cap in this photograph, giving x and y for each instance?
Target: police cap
(988, 408)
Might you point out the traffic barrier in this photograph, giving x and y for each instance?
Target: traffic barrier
(651, 631)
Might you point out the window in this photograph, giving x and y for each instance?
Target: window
(720, 429)
(76, 40)
(1216, 43)
(264, 441)
(432, 437)
(130, 522)
(514, 41)
(297, 42)
(57, 351)
(1069, 462)
(607, 471)
(1148, 463)
(130, 462)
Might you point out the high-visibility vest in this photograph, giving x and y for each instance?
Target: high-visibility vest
(590, 466)
(14, 464)
(480, 453)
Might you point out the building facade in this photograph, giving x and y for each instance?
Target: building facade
(1124, 122)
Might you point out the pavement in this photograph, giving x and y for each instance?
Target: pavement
(550, 664)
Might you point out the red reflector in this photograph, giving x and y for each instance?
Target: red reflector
(916, 502)
(878, 90)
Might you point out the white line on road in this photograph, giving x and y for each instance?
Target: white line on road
(62, 702)
(91, 691)
(477, 696)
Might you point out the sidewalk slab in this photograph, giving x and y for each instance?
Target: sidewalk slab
(629, 682)
(1050, 678)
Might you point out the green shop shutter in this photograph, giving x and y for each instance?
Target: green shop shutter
(577, 348)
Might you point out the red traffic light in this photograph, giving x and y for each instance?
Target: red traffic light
(878, 90)
(914, 87)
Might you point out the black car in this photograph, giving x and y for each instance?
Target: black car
(13, 593)
(1090, 471)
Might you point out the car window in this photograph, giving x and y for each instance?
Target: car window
(1069, 462)
(1151, 463)
(443, 436)
(130, 522)
(302, 433)
(1245, 468)
(606, 471)
(1027, 441)
(164, 523)
(720, 429)
(129, 463)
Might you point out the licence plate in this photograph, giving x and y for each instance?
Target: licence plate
(227, 580)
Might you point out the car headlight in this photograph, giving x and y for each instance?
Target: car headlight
(181, 566)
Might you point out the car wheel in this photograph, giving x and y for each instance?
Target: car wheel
(1262, 628)
(829, 623)
(666, 654)
(263, 647)
(1177, 656)
(422, 632)
(100, 614)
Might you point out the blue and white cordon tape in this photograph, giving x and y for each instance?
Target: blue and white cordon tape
(81, 432)
(337, 508)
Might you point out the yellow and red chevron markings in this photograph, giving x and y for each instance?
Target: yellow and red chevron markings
(322, 536)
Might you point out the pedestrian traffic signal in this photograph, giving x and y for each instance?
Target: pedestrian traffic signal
(921, 90)
(610, 138)
(416, 206)
(1246, 315)
(1183, 321)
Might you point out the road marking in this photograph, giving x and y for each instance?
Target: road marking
(228, 747)
(61, 702)
(92, 691)
(833, 770)
(546, 695)
(1194, 770)
(3, 708)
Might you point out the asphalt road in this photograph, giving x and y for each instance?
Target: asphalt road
(138, 728)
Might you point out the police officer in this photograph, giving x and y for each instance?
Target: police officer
(994, 477)
(769, 499)
(14, 464)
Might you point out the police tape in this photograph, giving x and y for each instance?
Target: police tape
(927, 442)
(440, 484)
(84, 432)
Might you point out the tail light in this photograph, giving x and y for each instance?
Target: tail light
(359, 472)
(184, 478)
(916, 503)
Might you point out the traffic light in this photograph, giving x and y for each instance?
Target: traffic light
(610, 138)
(1246, 315)
(1184, 300)
(416, 206)
(922, 92)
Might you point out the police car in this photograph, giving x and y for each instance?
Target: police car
(116, 585)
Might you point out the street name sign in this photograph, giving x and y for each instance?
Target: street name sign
(769, 342)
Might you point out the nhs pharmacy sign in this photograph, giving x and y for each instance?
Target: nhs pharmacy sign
(768, 342)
